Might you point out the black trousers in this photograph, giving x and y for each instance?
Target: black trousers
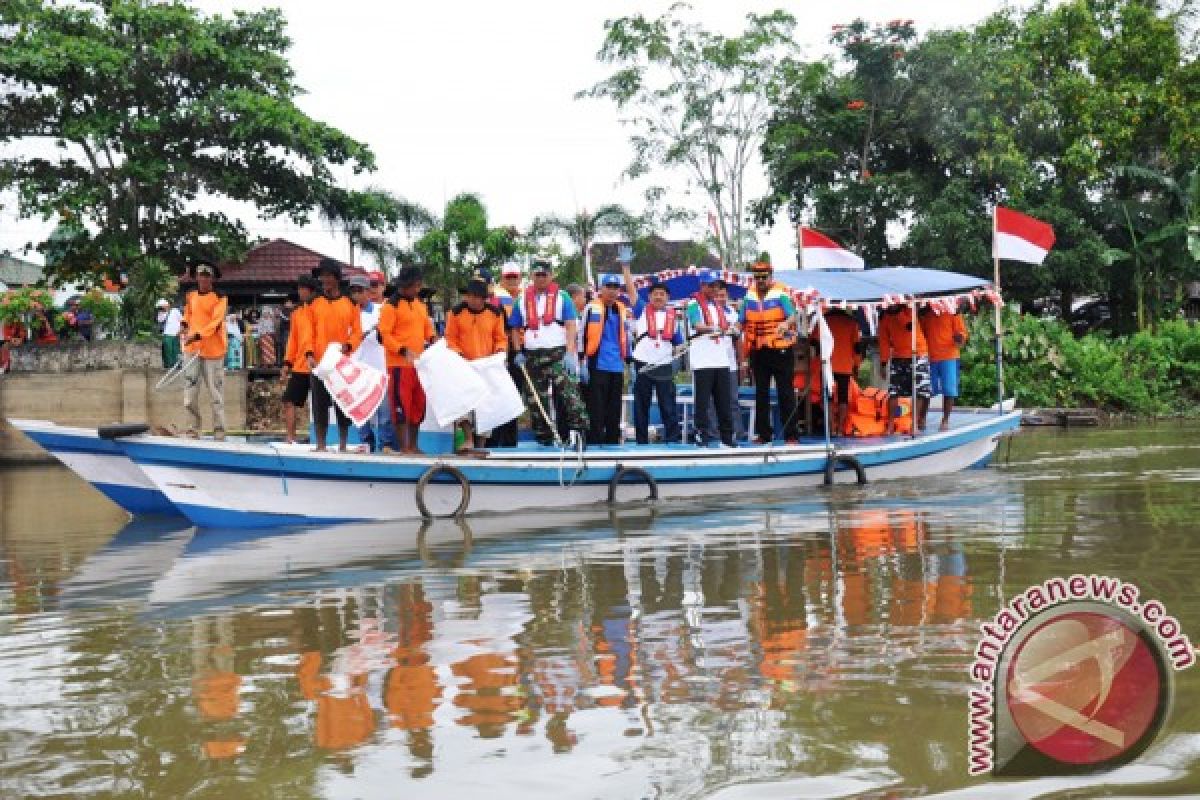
(604, 406)
(713, 385)
(322, 401)
(506, 434)
(780, 366)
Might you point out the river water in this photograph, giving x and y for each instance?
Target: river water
(762, 647)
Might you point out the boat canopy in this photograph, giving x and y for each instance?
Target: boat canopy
(858, 286)
(873, 285)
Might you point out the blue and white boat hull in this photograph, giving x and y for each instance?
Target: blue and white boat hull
(245, 485)
(100, 462)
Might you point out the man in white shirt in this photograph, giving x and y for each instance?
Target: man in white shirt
(170, 320)
(711, 324)
(545, 326)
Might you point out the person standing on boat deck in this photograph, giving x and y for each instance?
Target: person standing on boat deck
(204, 335)
(170, 322)
(657, 333)
(406, 329)
(606, 347)
(768, 317)
(733, 343)
(545, 328)
(475, 329)
(378, 432)
(295, 373)
(335, 320)
(710, 324)
(580, 297)
(945, 333)
(895, 349)
(503, 297)
(844, 361)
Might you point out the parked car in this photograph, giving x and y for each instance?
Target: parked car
(1091, 316)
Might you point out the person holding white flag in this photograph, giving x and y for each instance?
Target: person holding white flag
(475, 330)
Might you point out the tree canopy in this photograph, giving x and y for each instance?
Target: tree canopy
(133, 116)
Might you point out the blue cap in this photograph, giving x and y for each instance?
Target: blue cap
(710, 276)
(610, 279)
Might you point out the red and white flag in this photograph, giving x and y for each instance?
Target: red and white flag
(1019, 237)
(818, 251)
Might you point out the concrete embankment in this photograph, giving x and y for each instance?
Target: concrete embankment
(87, 385)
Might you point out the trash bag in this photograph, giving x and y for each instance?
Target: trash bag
(502, 402)
(357, 388)
(452, 388)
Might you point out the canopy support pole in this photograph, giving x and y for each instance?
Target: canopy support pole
(912, 305)
(999, 338)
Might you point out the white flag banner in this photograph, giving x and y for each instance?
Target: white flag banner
(356, 387)
(826, 339)
(452, 388)
(502, 402)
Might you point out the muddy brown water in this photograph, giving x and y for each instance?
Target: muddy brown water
(756, 647)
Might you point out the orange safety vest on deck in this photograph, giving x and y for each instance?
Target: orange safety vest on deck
(762, 316)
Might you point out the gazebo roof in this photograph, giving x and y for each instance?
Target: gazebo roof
(278, 263)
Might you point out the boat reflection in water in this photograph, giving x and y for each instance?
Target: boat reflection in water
(646, 648)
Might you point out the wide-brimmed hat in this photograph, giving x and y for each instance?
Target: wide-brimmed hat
(329, 266)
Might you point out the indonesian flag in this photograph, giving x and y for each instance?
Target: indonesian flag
(1018, 237)
(818, 251)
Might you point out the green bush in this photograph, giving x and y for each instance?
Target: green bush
(1044, 365)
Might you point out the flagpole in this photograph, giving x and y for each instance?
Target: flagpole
(998, 323)
(913, 411)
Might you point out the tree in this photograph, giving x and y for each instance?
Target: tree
(460, 243)
(583, 228)
(363, 217)
(131, 114)
(699, 101)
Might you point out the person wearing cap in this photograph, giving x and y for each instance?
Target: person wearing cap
(335, 321)
(544, 323)
(376, 286)
(204, 336)
(657, 334)
(503, 297)
(732, 348)
(711, 323)
(378, 432)
(406, 329)
(474, 330)
(768, 317)
(296, 374)
(606, 348)
(170, 322)
(509, 290)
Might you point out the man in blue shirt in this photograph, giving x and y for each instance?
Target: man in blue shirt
(606, 345)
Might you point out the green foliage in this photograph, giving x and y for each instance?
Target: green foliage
(18, 305)
(1045, 366)
(150, 279)
(156, 108)
(104, 311)
(461, 243)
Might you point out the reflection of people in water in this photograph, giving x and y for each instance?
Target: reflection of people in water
(411, 691)
(778, 614)
(488, 697)
(344, 715)
(215, 685)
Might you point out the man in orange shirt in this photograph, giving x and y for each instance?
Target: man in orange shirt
(204, 336)
(846, 356)
(295, 372)
(335, 320)
(405, 329)
(896, 332)
(945, 333)
(475, 329)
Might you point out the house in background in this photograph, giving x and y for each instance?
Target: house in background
(16, 273)
(268, 273)
(654, 254)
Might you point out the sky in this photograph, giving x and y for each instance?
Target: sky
(478, 96)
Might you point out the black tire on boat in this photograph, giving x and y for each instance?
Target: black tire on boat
(428, 476)
(116, 431)
(850, 461)
(636, 472)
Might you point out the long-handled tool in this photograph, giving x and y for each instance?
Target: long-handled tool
(172, 374)
(542, 409)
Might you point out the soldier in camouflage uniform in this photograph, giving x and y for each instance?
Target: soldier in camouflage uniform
(544, 323)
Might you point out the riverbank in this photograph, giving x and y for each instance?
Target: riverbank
(1146, 375)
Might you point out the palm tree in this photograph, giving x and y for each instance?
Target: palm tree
(583, 228)
(362, 215)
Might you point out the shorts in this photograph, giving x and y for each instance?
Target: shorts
(408, 398)
(841, 381)
(944, 375)
(296, 391)
(900, 378)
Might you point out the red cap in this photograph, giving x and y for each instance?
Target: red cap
(377, 277)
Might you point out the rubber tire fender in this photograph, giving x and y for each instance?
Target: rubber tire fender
(621, 472)
(849, 461)
(117, 430)
(429, 475)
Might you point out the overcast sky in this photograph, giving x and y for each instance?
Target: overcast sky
(478, 96)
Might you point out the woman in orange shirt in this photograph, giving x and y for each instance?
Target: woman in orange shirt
(474, 330)
(405, 329)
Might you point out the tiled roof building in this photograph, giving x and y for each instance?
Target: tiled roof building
(269, 272)
(654, 254)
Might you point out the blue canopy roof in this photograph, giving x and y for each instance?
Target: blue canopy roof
(683, 286)
(864, 286)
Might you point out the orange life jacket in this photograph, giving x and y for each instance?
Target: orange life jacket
(595, 328)
(868, 412)
(762, 316)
